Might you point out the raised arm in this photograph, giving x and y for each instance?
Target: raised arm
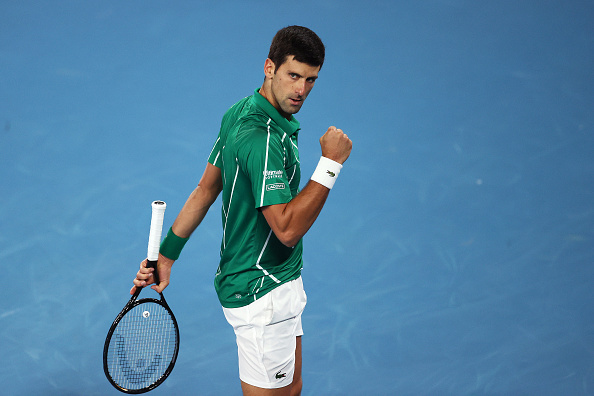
(291, 221)
(188, 219)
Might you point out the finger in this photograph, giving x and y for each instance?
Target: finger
(160, 287)
(331, 130)
(145, 271)
(138, 284)
(142, 276)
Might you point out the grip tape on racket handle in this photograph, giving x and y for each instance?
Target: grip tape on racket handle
(158, 213)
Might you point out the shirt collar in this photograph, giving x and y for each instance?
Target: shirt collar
(288, 126)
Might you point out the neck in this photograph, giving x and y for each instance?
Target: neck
(266, 92)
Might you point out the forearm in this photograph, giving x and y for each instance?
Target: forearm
(291, 221)
(193, 212)
(199, 202)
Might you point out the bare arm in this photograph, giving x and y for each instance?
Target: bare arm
(200, 200)
(188, 219)
(291, 221)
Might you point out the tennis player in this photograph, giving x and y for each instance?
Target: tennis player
(255, 164)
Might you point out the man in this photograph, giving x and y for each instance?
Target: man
(255, 163)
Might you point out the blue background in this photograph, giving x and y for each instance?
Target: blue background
(454, 256)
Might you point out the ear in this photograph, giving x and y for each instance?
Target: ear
(269, 68)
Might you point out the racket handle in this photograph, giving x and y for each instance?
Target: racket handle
(156, 230)
(158, 214)
(153, 264)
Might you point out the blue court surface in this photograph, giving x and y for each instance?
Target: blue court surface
(455, 255)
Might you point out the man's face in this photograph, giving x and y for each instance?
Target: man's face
(290, 84)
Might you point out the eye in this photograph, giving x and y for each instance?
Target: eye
(294, 76)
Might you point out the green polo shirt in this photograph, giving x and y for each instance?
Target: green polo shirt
(257, 153)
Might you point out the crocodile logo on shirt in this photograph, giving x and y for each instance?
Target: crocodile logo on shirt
(280, 375)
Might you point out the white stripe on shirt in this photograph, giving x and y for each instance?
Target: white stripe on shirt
(265, 164)
(260, 267)
(229, 207)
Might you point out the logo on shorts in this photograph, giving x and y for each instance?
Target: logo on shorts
(280, 375)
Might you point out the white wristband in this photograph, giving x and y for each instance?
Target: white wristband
(326, 172)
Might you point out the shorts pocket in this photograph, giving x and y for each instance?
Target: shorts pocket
(288, 301)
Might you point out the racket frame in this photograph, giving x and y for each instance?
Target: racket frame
(133, 302)
(158, 209)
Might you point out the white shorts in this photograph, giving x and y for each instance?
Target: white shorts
(266, 332)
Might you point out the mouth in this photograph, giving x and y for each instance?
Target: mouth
(295, 102)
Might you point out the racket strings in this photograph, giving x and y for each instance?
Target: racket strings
(142, 346)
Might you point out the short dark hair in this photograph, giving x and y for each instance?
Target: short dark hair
(300, 42)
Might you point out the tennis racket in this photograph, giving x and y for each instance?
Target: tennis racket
(142, 343)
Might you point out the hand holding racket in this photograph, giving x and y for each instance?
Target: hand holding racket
(143, 276)
(142, 343)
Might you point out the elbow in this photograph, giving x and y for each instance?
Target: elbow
(282, 223)
(206, 193)
(289, 239)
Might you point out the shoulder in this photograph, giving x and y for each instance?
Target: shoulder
(249, 126)
(258, 129)
(251, 136)
(235, 112)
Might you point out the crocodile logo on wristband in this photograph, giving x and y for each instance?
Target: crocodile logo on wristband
(326, 172)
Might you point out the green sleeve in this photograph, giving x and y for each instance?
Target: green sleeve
(261, 157)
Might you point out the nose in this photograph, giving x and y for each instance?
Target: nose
(300, 87)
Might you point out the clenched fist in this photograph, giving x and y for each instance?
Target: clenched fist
(336, 145)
